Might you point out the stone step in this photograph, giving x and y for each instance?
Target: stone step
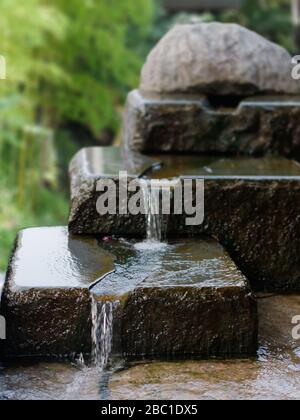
(251, 206)
(188, 297)
(192, 124)
(46, 300)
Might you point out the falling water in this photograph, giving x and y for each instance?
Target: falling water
(102, 331)
(155, 226)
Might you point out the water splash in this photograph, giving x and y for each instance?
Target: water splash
(102, 331)
(80, 362)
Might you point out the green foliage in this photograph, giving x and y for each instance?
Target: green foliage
(270, 18)
(51, 208)
(25, 29)
(67, 62)
(100, 58)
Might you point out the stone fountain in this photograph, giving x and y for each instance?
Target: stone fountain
(216, 102)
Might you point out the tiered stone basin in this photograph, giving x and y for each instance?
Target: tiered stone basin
(188, 299)
(251, 206)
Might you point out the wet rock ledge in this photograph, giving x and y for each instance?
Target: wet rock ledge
(46, 298)
(205, 89)
(195, 123)
(204, 309)
(251, 206)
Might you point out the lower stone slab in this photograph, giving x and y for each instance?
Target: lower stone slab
(274, 375)
(189, 298)
(202, 322)
(46, 298)
(191, 124)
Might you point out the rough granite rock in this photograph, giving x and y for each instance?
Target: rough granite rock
(192, 124)
(217, 58)
(46, 300)
(195, 321)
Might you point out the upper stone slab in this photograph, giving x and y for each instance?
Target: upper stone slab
(217, 58)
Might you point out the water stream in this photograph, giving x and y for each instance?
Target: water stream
(103, 311)
(102, 331)
(155, 221)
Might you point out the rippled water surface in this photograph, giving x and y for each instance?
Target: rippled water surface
(198, 263)
(175, 166)
(275, 374)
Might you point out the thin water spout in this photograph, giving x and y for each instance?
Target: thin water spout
(154, 218)
(102, 331)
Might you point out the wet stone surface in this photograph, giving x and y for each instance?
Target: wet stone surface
(46, 301)
(271, 167)
(91, 165)
(251, 206)
(198, 124)
(258, 222)
(183, 286)
(274, 374)
(181, 298)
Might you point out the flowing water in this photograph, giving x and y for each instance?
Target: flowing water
(102, 310)
(102, 331)
(155, 220)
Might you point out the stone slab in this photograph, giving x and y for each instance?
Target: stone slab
(188, 299)
(194, 124)
(251, 207)
(92, 164)
(273, 375)
(46, 300)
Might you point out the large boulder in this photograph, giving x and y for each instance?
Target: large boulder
(216, 58)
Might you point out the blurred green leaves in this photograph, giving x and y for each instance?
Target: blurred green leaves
(68, 62)
(100, 58)
(270, 18)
